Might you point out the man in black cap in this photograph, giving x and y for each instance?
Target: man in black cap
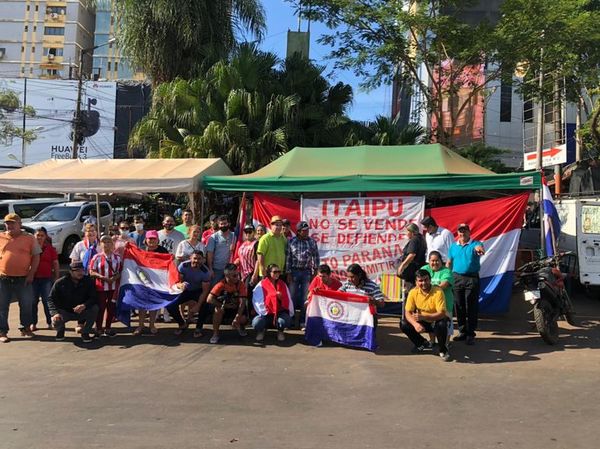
(72, 298)
(464, 261)
(438, 239)
(301, 265)
(287, 229)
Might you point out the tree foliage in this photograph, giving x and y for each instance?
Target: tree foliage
(169, 39)
(12, 110)
(423, 43)
(246, 110)
(385, 131)
(486, 156)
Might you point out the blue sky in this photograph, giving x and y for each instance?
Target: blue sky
(280, 18)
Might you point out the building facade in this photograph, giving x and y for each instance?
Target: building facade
(44, 39)
(109, 63)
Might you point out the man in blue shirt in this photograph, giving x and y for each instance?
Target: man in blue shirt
(463, 260)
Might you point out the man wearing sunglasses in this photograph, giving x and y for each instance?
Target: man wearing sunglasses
(464, 261)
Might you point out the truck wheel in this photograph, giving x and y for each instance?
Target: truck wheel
(68, 246)
(545, 322)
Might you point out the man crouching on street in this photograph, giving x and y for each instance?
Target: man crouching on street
(73, 298)
(228, 298)
(425, 311)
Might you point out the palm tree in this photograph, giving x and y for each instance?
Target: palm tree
(169, 39)
(385, 131)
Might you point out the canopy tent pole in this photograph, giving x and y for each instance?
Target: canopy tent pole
(98, 216)
(201, 221)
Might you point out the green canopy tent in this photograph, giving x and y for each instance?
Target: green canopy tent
(370, 169)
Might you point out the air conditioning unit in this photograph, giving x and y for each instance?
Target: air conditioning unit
(50, 57)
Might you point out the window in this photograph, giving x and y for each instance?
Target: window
(104, 210)
(34, 28)
(116, 67)
(108, 66)
(55, 10)
(28, 7)
(53, 51)
(54, 31)
(32, 49)
(37, 8)
(505, 102)
(22, 49)
(26, 28)
(528, 111)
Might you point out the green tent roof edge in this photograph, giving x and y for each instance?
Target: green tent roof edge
(363, 183)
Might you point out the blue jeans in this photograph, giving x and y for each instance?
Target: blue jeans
(299, 289)
(41, 289)
(260, 323)
(14, 287)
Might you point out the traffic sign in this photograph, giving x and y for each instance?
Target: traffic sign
(550, 156)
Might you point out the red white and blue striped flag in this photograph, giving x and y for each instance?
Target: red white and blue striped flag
(147, 281)
(344, 318)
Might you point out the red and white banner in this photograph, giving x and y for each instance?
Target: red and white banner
(367, 231)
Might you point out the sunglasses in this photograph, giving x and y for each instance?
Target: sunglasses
(276, 272)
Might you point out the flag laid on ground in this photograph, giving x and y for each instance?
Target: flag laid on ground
(497, 224)
(262, 298)
(551, 220)
(340, 317)
(147, 282)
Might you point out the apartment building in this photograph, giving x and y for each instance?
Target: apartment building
(109, 62)
(44, 39)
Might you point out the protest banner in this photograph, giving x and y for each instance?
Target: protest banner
(368, 231)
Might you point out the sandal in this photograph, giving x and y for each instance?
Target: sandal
(138, 331)
(198, 333)
(181, 330)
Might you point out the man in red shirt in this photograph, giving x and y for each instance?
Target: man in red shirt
(323, 281)
(214, 227)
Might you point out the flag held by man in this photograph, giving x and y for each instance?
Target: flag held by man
(340, 317)
(147, 282)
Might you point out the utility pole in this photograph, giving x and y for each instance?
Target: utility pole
(23, 143)
(77, 120)
(539, 150)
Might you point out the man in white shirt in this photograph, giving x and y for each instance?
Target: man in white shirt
(437, 238)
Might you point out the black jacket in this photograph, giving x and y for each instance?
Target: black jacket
(66, 294)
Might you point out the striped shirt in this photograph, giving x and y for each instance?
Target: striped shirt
(367, 288)
(107, 267)
(302, 254)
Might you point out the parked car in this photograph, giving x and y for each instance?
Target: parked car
(64, 222)
(26, 209)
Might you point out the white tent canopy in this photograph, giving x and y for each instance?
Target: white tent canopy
(113, 175)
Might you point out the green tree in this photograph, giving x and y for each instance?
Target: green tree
(169, 39)
(425, 44)
(12, 110)
(486, 156)
(245, 110)
(385, 131)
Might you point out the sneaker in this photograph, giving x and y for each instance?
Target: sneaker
(214, 339)
(4, 338)
(460, 337)
(242, 331)
(109, 333)
(86, 338)
(33, 328)
(78, 329)
(419, 349)
(470, 340)
(260, 335)
(102, 334)
(280, 336)
(445, 356)
(60, 335)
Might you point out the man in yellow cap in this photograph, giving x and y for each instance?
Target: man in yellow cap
(271, 248)
(19, 260)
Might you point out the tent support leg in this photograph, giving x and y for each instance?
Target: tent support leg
(201, 220)
(98, 216)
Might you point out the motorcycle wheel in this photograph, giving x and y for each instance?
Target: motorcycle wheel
(545, 322)
(569, 311)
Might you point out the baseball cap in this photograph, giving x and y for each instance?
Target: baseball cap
(285, 221)
(428, 221)
(76, 265)
(301, 225)
(213, 217)
(275, 219)
(249, 227)
(151, 234)
(463, 226)
(12, 217)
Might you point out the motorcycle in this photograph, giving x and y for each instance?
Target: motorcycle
(544, 288)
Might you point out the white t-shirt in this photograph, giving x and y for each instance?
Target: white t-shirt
(185, 250)
(170, 241)
(79, 250)
(440, 241)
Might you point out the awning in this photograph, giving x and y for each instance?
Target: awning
(423, 168)
(113, 175)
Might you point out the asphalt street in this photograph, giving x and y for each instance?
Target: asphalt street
(510, 390)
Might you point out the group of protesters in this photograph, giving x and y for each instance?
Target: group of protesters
(266, 280)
